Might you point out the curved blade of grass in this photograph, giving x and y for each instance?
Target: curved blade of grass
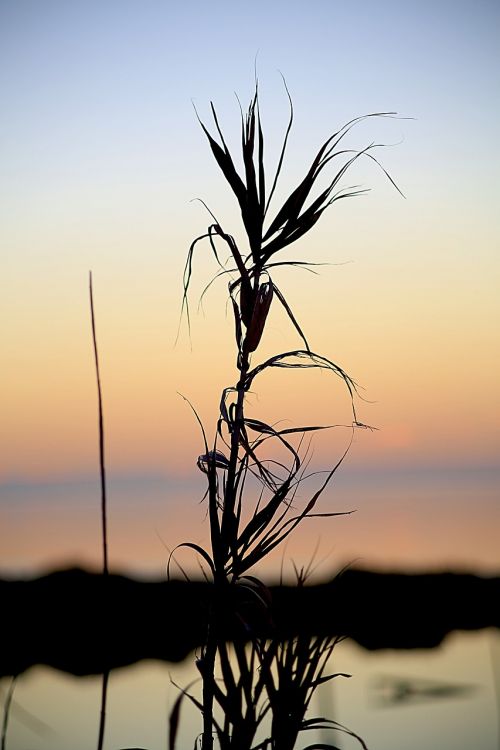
(271, 540)
(215, 530)
(283, 148)
(298, 225)
(323, 723)
(188, 270)
(262, 519)
(196, 547)
(224, 159)
(290, 314)
(313, 360)
(289, 221)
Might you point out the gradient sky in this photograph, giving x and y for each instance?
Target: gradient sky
(101, 158)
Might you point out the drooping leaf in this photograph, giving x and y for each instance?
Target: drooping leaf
(307, 360)
(196, 547)
(290, 314)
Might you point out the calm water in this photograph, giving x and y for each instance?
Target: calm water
(54, 711)
(446, 519)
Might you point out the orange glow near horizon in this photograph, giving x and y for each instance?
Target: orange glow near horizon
(414, 381)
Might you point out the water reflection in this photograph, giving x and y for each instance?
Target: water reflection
(392, 690)
(442, 699)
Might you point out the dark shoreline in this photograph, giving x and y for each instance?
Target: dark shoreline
(81, 623)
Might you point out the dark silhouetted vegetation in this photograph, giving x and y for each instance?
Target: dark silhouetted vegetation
(167, 620)
(254, 469)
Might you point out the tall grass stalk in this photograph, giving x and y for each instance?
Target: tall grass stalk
(102, 464)
(102, 474)
(254, 502)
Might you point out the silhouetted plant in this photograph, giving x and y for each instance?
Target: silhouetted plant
(265, 678)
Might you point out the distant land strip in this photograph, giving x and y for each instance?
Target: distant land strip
(57, 619)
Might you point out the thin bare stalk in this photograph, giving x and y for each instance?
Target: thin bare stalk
(210, 652)
(227, 534)
(102, 465)
(104, 699)
(102, 470)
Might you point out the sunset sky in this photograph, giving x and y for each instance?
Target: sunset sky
(101, 157)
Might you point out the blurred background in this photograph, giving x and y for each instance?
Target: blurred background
(102, 156)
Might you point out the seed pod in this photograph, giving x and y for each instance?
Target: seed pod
(247, 302)
(259, 315)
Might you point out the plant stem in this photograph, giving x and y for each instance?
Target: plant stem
(101, 437)
(229, 535)
(102, 468)
(104, 697)
(208, 675)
